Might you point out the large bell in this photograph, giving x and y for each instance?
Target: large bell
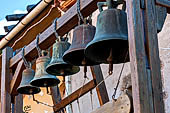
(42, 78)
(82, 35)
(57, 66)
(110, 44)
(25, 87)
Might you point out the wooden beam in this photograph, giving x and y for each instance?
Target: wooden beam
(153, 55)
(18, 106)
(5, 81)
(142, 95)
(16, 79)
(75, 95)
(101, 89)
(64, 24)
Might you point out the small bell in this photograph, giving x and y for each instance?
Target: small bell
(25, 87)
(57, 66)
(42, 78)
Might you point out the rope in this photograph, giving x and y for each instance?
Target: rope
(37, 47)
(80, 16)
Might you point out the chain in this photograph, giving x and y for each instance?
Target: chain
(55, 29)
(80, 16)
(25, 61)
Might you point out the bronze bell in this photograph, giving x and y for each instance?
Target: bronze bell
(57, 66)
(82, 35)
(25, 87)
(42, 78)
(110, 43)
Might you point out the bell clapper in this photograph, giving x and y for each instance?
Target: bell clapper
(62, 72)
(110, 61)
(85, 68)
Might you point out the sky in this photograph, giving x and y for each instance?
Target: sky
(8, 7)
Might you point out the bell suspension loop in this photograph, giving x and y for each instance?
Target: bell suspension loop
(37, 47)
(55, 30)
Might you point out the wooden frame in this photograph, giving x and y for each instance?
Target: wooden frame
(146, 83)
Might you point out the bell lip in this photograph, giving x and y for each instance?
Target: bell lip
(95, 42)
(48, 69)
(36, 80)
(68, 52)
(36, 89)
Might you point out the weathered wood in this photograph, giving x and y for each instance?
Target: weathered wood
(101, 89)
(75, 95)
(18, 106)
(165, 3)
(153, 55)
(14, 17)
(161, 13)
(142, 95)
(16, 79)
(55, 93)
(5, 81)
(67, 4)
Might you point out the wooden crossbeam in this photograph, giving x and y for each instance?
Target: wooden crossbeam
(75, 95)
(101, 89)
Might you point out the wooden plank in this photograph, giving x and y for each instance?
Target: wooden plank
(65, 23)
(153, 55)
(75, 95)
(16, 79)
(101, 89)
(5, 81)
(142, 95)
(18, 106)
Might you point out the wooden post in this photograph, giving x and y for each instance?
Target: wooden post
(18, 106)
(5, 81)
(101, 89)
(142, 95)
(153, 55)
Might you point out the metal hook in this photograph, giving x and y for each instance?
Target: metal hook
(37, 47)
(25, 61)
